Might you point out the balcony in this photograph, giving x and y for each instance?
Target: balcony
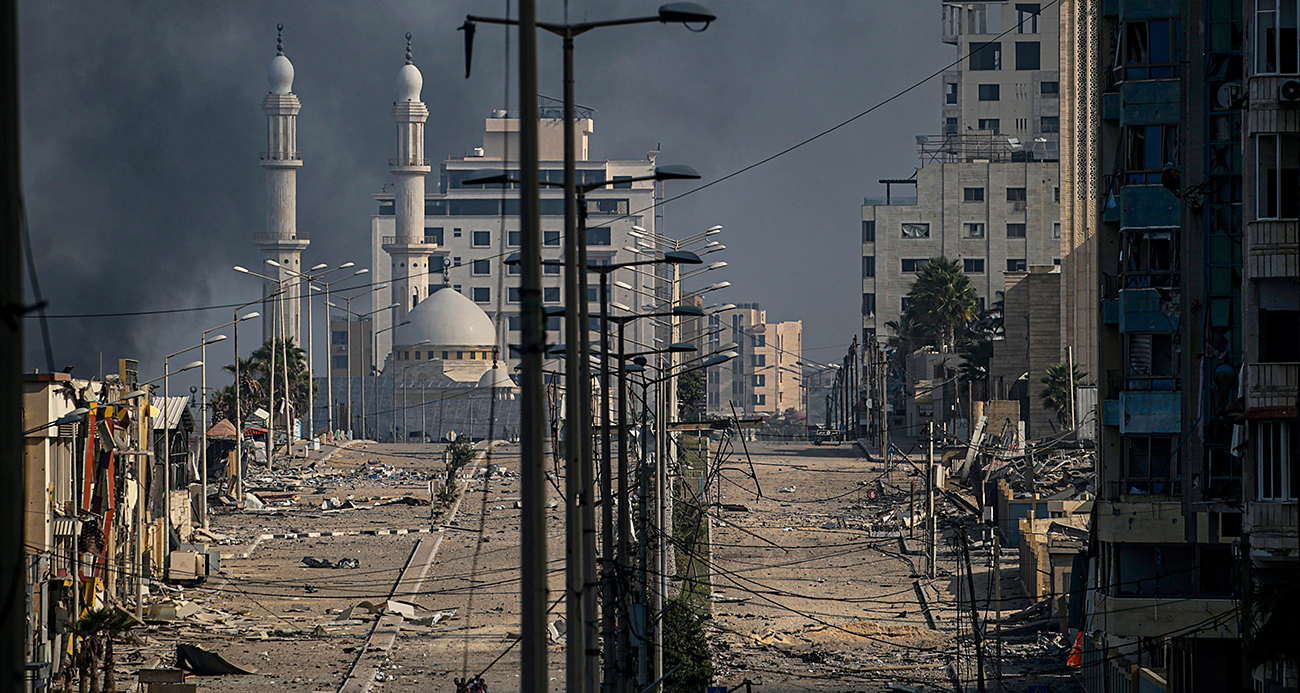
(1150, 412)
(1153, 617)
(1273, 529)
(1273, 249)
(1271, 384)
(409, 161)
(426, 240)
(282, 156)
(1149, 309)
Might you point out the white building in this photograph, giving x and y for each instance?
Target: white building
(461, 234)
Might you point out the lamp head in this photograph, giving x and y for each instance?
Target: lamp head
(680, 348)
(190, 366)
(271, 262)
(686, 13)
(244, 270)
(694, 311)
(363, 270)
(317, 268)
(639, 360)
(347, 265)
(216, 339)
(251, 315)
(682, 257)
(675, 171)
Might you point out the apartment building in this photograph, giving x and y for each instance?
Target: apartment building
(986, 192)
(765, 379)
(1270, 331)
(1163, 608)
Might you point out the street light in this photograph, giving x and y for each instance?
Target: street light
(374, 369)
(347, 310)
(70, 417)
(329, 361)
(203, 388)
(404, 397)
(167, 441)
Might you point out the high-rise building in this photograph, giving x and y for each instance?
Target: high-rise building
(765, 378)
(1270, 331)
(1164, 604)
(986, 194)
(465, 232)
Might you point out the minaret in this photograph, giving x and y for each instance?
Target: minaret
(281, 242)
(407, 249)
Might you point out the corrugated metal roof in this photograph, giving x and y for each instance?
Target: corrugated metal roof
(175, 412)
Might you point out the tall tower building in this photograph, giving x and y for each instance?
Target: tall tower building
(281, 241)
(408, 249)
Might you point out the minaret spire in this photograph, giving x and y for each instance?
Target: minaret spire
(281, 241)
(408, 248)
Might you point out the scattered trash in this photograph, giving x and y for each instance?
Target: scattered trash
(314, 562)
(788, 489)
(735, 507)
(203, 663)
(252, 502)
(406, 500)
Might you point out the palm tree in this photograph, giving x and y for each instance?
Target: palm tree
(254, 372)
(98, 628)
(1059, 391)
(944, 298)
(910, 333)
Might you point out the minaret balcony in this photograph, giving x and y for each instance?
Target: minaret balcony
(281, 159)
(409, 164)
(278, 242)
(413, 245)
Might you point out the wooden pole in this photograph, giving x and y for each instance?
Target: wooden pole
(929, 503)
(974, 614)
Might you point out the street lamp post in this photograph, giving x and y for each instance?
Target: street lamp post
(374, 370)
(167, 436)
(404, 397)
(347, 311)
(203, 388)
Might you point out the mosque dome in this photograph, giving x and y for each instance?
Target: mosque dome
(280, 75)
(409, 83)
(496, 376)
(447, 318)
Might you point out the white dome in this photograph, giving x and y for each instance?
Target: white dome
(409, 83)
(496, 376)
(447, 318)
(280, 75)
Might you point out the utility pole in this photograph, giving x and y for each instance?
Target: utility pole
(1069, 361)
(997, 596)
(974, 613)
(929, 501)
(13, 618)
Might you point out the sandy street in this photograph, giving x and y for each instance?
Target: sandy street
(812, 589)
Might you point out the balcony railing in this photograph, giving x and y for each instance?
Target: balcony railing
(1272, 384)
(261, 236)
(281, 156)
(408, 161)
(394, 240)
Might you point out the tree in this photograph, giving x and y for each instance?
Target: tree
(1059, 391)
(943, 298)
(98, 629)
(910, 333)
(685, 644)
(255, 376)
(690, 395)
(976, 356)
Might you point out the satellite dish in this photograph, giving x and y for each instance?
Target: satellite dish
(1229, 95)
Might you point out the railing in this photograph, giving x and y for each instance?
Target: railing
(260, 236)
(279, 156)
(1145, 487)
(1272, 384)
(899, 200)
(408, 161)
(417, 240)
(1114, 384)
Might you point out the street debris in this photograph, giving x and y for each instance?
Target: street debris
(314, 562)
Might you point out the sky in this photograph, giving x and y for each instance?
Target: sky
(142, 128)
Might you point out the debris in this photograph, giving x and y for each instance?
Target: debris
(298, 608)
(556, 630)
(350, 563)
(203, 663)
(553, 503)
(406, 500)
(735, 507)
(314, 562)
(435, 618)
(252, 502)
(787, 489)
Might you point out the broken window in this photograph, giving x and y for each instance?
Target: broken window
(1150, 258)
(1275, 37)
(974, 230)
(1278, 176)
(1173, 570)
(916, 230)
(1152, 362)
(1150, 466)
(1027, 18)
(1151, 49)
(909, 265)
(1150, 147)
(985, 56)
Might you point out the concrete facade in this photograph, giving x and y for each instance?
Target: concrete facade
(1031, 344)
(764, 380)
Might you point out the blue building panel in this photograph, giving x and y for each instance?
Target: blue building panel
(1140, 311)
(1148, 206)
(1150, 412)
(1153, 102)
(1110, 312)
(1110, 412)
(1149, 9)
(1110, 106)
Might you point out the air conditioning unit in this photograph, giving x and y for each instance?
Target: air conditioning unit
(1289, 91)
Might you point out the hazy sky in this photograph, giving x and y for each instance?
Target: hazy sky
(142, 127)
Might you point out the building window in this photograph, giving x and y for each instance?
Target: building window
(1017, 265)
(972, 194)
(1049, 88)
(1151, 49)
(551, 269)
(950, 94)
(621, 182)
(868, 304)
(593, 294)
(973, 265)
(1275, 453)
(949, 126)
(973, 229)
(990, 92)
(339, 337)
(482, 267)
(1150, 147)
(1050, 123)
(1057, 193)
(514, 269)
(1279, 332)
(919, 230)
(760, 380)
(550, 238)
(340, 362)
(985, 56)
(482, 239)
(760, 400)
(515, 322)
(913, 265)
(1027, 18)
(455, 233)
(512, 294)
(1275, 37)
(598, 236)
(551, 294)
(1172, 570)
(1028, 55)
(1016, 230)
(868, 265)
(482, 294)
(760, 340)
(513, 239)
(1056, 230)
(869, 231)
(455, 262)
(989, 124)
(760, 360)
(1278, 176)
(1149, 466)
(1016, 195)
